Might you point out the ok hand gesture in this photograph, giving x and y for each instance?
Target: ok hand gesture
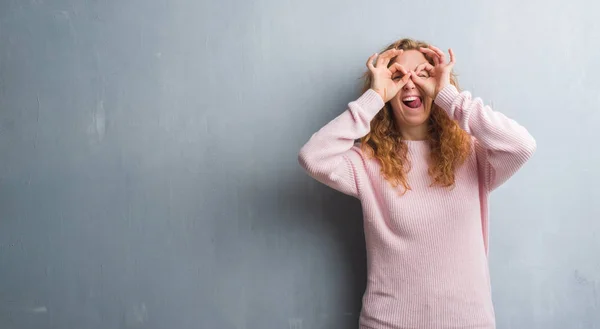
(382, 81)
(439, 73)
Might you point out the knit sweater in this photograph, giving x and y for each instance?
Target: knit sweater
(427, 249)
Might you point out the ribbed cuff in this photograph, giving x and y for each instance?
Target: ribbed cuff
(371, 102)
(446, 97)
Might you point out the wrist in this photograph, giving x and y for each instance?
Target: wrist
(380, 92)
(438, 89)
(446, 97)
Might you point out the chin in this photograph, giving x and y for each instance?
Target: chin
(412, 115)
(415, 122)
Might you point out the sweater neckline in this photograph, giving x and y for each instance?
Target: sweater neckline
(417, 145)
(416, 142)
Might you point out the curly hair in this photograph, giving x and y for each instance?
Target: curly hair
(450, 145)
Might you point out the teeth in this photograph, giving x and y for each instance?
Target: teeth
(410, 99)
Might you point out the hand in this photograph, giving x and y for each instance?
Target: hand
(439, 74)
(387, 81)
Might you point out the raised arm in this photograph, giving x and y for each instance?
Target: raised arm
(328, 156)
(506, 144)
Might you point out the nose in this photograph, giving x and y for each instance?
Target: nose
(409, 85)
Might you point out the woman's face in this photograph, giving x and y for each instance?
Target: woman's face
(411, 108)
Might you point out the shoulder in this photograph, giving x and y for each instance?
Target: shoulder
(357, 153)
(358, 156)
(478, 149)
(481, 155)
(474, 161)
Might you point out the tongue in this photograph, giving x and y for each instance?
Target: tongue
(414, 104)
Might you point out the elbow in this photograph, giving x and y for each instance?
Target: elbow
(312, 163)
(304, 159)
(311, 167)
(533, 146)
(528, 147)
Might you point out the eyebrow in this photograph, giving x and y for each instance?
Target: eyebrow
(400, 73)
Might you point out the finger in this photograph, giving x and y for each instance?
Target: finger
(428, 51)
(397, 67)
(435, 56)
(418, 80)
(406, 77)
(385, 58)
(402, 82)
(370, 62)
(452, 57)
(425, 66)
(440, 54)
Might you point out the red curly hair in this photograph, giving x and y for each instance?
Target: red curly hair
(450, 145)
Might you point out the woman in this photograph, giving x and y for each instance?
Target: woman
(428, 158)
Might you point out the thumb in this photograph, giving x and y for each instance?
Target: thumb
(404, 80)
(406, 77)
(418, 80)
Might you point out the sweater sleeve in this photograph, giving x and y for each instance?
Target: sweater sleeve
(507, 144)
(327, 155)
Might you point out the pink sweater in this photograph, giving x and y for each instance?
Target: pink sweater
(426, 250)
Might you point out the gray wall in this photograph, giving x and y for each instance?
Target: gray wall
(148, 172)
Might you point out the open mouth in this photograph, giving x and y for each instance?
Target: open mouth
(412, 102)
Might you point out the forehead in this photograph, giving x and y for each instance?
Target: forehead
(410, 59)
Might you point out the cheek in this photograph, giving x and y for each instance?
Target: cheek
(428, 105)
(396, 104)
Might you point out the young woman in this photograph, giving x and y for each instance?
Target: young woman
(429, 155)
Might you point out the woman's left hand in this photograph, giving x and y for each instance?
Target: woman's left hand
(439, 74)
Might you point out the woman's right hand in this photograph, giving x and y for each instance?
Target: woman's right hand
(387, 81)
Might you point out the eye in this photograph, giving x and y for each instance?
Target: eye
(397, 77)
